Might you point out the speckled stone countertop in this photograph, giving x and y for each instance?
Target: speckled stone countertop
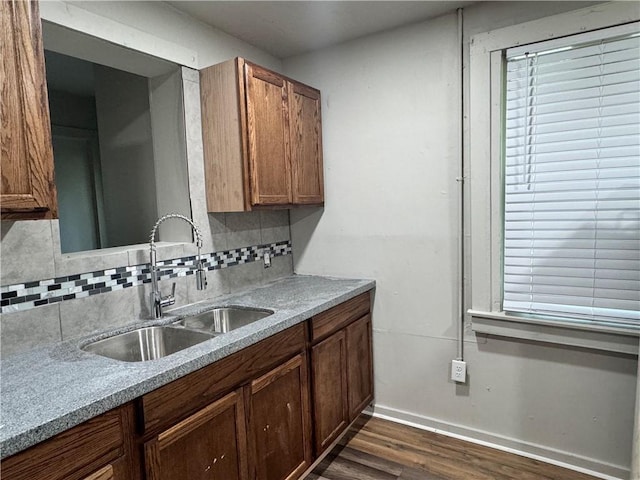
(50, 389)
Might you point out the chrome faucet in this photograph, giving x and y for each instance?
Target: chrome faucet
(157, 300)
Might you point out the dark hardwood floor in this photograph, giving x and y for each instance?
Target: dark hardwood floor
(376, 449)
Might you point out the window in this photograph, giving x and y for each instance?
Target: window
(509, 144)
(572, 177)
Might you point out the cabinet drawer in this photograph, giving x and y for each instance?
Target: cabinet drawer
(182, 397)
(73, 454)
(339, 317)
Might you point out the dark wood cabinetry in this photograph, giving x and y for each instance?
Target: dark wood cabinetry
(359, 365)
(279, 422)
(307, 180)
(98, 449)
(27, 189)
(259, 431)
(210, 444)
(341, 368)
(268, 135)
(262, 138)
(177, 400)
(329, 379)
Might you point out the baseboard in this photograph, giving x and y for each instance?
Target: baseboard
(530, 450)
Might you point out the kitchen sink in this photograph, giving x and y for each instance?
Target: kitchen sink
(148, 343)
(151, 343)
(223, 319)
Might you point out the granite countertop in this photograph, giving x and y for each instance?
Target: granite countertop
(51, 389)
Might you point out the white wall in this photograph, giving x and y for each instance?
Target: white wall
(391, 137)
(390, 190)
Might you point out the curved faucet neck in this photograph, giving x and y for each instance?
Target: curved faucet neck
(194, 227)
(157, 300)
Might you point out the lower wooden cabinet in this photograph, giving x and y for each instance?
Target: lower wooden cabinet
(341, 368)
(329, 386)
(271, 442)
(98, 449)
(359, 365)
(279, 422)
(210, 444)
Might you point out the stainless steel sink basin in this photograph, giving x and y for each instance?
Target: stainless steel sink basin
(148, 343)
(223, 319)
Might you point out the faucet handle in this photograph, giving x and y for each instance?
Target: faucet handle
(169, 299)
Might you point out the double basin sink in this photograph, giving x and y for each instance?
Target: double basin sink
(151, 343)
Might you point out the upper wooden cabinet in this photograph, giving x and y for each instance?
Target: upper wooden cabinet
(262, 138)
(28, 189)
(307, 181)
(268, 135)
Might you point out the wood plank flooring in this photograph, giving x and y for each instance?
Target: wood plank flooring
(376, 449)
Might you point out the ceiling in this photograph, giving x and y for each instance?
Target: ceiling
(290, 28)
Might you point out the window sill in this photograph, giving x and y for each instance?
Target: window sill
(597, 337)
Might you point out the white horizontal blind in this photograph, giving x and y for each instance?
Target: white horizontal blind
(572, 179)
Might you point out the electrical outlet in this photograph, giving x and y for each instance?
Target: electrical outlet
(267, 259)
(459, 371)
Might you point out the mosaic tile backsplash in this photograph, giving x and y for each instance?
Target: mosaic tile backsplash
(24, 296)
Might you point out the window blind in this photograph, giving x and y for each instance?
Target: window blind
(572, 178)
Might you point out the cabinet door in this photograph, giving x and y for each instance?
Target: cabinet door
(27, 189)
(307, 183)
(268, 135)
(211, 444)
(279, 424)
(329, 382)
(359, 365)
